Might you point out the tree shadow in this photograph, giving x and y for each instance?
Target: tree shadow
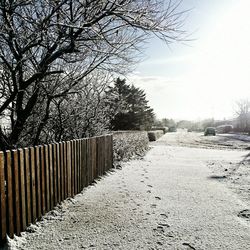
(217, 177)
(246, 158)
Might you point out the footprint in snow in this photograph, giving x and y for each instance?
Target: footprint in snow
(159, 229)
(163, 224)
(244, 214)
(188, 245)
(164, 216)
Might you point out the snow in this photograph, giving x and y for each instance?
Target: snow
(174, 198)
(241, 137)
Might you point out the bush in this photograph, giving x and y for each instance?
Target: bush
(129, 144)
(154, 135)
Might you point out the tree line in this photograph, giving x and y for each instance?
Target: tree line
(240, 121)
(57, 58)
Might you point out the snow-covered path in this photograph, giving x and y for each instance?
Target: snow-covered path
(168, 200)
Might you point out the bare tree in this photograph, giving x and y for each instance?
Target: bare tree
(82, 114)
(243, 115)
(47, 48)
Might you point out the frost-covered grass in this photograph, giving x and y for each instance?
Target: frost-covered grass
(129, 144)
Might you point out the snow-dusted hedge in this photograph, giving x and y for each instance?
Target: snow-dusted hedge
(154, 135)
(164, 129)
(129, 144)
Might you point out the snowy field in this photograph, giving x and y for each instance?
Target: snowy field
(189, 192)
(220, 141)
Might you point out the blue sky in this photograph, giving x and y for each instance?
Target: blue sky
(205, 77)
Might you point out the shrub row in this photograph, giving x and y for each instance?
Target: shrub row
(164, 129)
(129, 144)
(155, 135)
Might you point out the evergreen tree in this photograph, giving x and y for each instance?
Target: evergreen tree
(131, 107)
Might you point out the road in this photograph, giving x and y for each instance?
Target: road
(176, 197)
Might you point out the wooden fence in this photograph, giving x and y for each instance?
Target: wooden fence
(34, 180)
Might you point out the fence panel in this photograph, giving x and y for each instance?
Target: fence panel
(34, 180)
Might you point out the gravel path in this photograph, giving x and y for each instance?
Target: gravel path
(168, 200)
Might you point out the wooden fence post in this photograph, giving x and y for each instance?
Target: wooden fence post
(28, 186)
(62, 171)
(100, 155)
(103, 155)
(55, 173)
(65, 161)
(75, 166)
(51, 175)
(69, 168)
(84, 172)
(112, 151)
(72, 145)
(47, 178)
(78, 146)
(79, 166)
(93, 149)
(17, 207)
(107, 152)
(87, 162)
(43, 181)
(90, 159)
(22, 191)
(97, 156)
(33, 184)
(3, 224)
(9, 195)
(38, 182)
(58, 159)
